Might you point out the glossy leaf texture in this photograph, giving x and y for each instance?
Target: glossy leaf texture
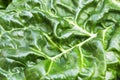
(60, 40)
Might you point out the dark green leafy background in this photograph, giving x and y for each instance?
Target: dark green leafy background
(59, 39)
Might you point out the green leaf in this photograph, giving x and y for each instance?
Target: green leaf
(59, 40)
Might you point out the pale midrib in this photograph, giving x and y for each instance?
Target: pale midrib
(79, 28)
(77, 45)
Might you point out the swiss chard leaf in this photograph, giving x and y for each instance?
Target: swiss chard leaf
(59, 40)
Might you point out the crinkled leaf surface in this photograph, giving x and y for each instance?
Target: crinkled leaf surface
(60, 40)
